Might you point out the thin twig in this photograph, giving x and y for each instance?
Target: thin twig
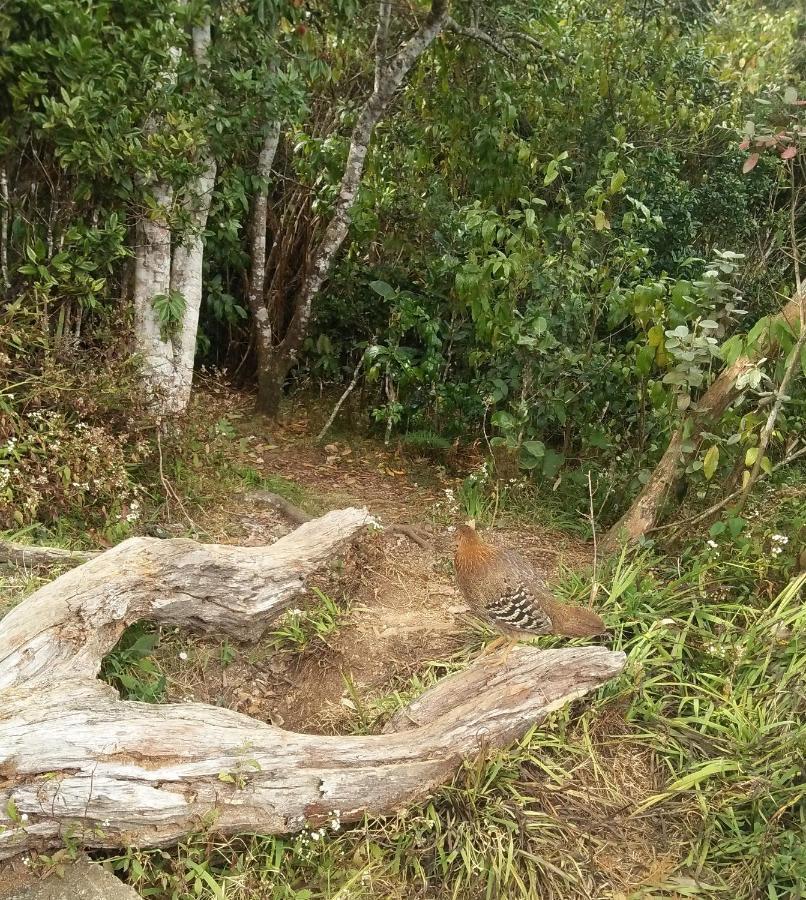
(478, 35)
(344, 396)
(725, 501)
(789, 372)
(170, 492)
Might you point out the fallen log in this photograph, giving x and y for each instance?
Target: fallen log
(29, 555)
(78, 762)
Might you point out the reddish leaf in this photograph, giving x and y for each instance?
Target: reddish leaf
(789, 152)
(750, 163)
(744, 144)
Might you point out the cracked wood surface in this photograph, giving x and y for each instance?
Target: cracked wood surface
(75, 759)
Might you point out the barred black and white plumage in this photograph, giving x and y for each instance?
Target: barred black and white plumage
(511, 595)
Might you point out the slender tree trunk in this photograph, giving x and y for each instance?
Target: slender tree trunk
(152, 278)
(168, 358)
(644, 514)
(263, 333)
(388, 79)
(4, 208)
(186, 279)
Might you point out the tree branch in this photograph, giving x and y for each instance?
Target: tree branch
(471, 31)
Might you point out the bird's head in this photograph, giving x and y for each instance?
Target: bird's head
(467, 532)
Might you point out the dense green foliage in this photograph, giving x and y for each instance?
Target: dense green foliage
(558, 244)
(549, 247)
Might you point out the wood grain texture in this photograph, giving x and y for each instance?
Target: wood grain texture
(77, 760)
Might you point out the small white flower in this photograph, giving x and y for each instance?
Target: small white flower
(24, 817)
(712, 544)
(183, 655)
(314, 835)
(780, 539)
(777, 551)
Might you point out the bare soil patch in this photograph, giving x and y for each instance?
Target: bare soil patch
(401, 608)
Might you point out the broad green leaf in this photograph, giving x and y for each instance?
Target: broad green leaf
(385, 290)
(617, 181)
(751, 456)
(552, 463)
(710, 462)
(534, 448)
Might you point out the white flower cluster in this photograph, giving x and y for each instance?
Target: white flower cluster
(778, 543)
(453, 506)
(305, 838)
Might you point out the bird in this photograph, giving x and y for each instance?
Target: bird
(507, 592)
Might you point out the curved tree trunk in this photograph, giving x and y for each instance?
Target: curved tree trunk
(77, 761)
(389, 76)
(645, 511)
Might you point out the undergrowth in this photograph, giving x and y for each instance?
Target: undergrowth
(683, 777)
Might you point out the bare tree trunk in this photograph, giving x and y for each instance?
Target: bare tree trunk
(4, 209)
(388, 79)
(152, 278)
(186, 279)
(268, 389)
(30, 555)
(168, 358)
(75, 759)
(645, 511)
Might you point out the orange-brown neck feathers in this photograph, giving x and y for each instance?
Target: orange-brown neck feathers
(573, 621)
(471, 551)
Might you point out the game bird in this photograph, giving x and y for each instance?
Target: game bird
(505, 590)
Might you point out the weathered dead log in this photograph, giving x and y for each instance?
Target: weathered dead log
(284, 507)
(77, 760)
(644, 513)
(29, 555)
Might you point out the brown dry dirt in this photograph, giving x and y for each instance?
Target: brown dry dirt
(402, 613)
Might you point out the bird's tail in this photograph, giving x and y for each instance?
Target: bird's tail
(574, 621)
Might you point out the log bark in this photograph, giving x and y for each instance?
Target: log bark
(31, 555)
(76, 760)
(644, 513)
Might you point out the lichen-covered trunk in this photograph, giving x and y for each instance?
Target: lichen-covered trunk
(165, 264)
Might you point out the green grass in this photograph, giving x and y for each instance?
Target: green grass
(277, 484)
(682, 778)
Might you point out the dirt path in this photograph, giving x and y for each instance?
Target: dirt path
(402, 614)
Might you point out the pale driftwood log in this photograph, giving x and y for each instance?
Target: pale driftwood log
(67, 626)
(29, 555)
(76, 760)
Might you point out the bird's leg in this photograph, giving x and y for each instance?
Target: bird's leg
(496, 642)
(510, 643)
